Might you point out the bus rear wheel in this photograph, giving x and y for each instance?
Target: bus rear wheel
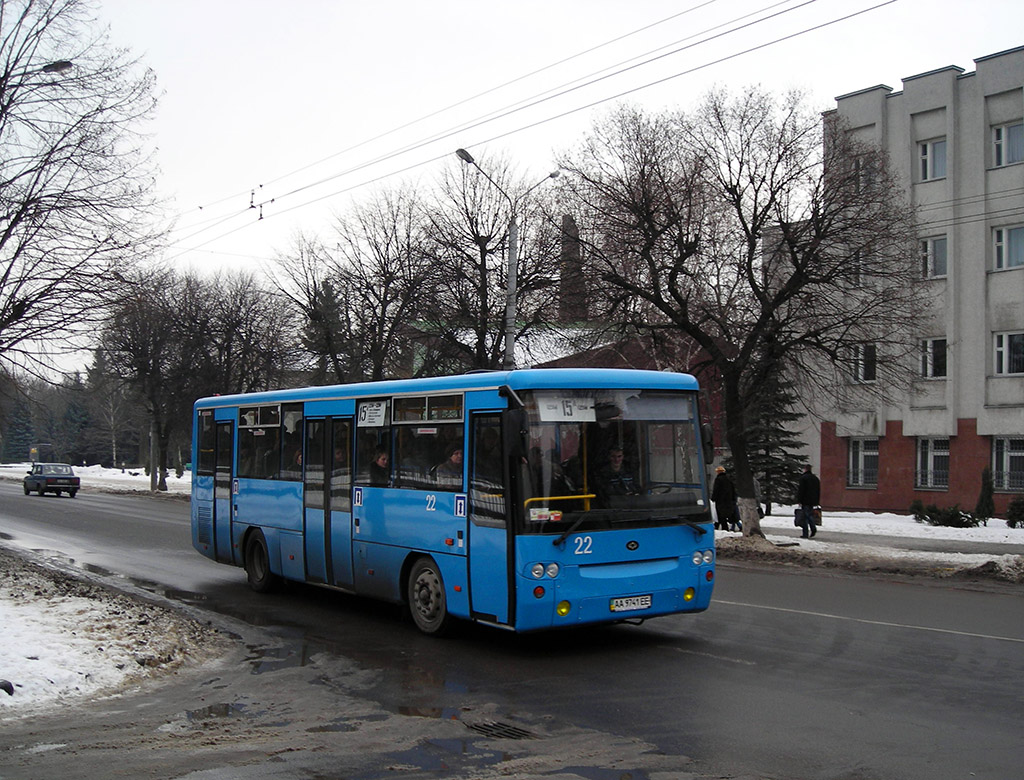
(257, 564)
(427, 601)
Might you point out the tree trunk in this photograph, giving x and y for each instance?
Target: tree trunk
(153, 467)
(735, 435)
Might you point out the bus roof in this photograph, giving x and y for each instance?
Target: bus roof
(524, 379)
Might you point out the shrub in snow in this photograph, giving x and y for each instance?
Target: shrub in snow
(986, 506)
(1015, 513)
(950, 517)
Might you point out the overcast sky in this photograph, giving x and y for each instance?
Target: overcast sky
(301, 106)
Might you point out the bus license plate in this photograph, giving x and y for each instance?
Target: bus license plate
(631, 603)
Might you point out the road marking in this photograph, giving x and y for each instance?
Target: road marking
(713, 656)
(872, 622)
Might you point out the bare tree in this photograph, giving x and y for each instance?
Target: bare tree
(361, 299)
(250, 333)
(114, 413)
(770, 239)
(177, 338)
(75, 183)
(304, 275)
(470, 235)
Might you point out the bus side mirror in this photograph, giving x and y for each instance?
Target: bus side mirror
(517, 426)
(707, 436)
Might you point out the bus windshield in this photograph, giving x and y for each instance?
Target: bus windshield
(609, 458)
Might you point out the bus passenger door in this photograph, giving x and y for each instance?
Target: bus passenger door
(327, 501)
(314, 498)
(339, 531)
(489, 561)
(222, 498)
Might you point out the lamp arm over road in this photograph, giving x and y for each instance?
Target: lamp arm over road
(509, 358)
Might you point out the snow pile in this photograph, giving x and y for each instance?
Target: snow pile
(835, 546)
(64, 638)
(887, 524)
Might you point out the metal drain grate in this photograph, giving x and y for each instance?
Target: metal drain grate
(500, 730)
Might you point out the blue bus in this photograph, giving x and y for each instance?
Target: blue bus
(526, 499)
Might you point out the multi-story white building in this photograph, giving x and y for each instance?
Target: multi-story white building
(957, 139)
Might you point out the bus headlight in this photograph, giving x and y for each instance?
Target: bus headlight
(698, 557)
(551, 570)
(709, 556)
(537, 570)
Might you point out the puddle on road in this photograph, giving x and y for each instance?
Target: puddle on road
(346, 724)
(442, 713)
(273, 659)
(215, 711)
(438, 755)
(595, 773)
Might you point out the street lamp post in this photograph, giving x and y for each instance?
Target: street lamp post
(509, 361)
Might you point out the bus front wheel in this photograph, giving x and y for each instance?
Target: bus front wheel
(427, 601)
(257, 564)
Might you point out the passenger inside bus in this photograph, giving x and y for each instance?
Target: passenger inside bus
(449, 472)
(379, 471)
(614, 479)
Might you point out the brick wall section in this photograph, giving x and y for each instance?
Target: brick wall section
(969, 454)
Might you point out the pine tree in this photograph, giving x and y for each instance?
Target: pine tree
(19, 434)
(773, 457)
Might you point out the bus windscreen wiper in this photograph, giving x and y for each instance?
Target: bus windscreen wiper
(569, 530)
(696, 525)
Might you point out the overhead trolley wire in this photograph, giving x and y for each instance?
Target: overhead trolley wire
(469, 99)
(509, 110)
(473, 124)
(561, 115)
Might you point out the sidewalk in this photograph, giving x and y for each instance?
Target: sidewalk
(886, 543)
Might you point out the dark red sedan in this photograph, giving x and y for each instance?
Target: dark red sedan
(52, 478)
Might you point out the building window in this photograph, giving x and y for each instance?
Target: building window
(863, 173)
(1009, 353)
(1008, 144)
(1009, 247)
(853, 268)
(1008, 464)
(933, 159)
(933, 358)
(933, 257)
(932, 463)
(864, 363)
(862, 470)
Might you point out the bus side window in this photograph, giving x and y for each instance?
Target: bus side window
(486, 473)
(446, 473)
(207, 439)
(314, 462)
(373, 456)
(291, 442)
(341, 467)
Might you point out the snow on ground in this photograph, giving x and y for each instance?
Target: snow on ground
(107, 479)
(63, 640)
(833, 538)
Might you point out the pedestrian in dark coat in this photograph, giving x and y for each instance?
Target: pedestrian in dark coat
(808, 496)
(723, 494)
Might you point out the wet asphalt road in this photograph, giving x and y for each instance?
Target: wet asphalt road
(790, 674)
